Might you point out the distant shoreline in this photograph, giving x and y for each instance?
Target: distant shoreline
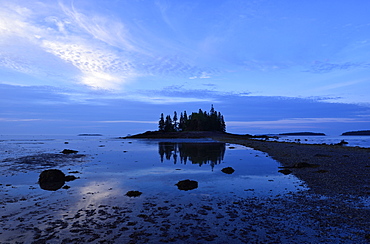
(189, 134)
(357, 133)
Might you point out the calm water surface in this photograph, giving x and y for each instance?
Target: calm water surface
(114, 166)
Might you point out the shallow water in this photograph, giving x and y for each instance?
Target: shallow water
(150, 166)
(244, 206)
(111, 168)
(353, 141)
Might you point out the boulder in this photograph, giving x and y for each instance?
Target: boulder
(51, 179)
(186, 185)
(133, 193)
(305, 165)
(285, 171)
(68, 151)
(228, 170)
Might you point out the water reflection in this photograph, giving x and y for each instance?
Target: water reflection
(197, 153)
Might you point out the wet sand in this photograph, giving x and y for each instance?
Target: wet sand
(336, 209)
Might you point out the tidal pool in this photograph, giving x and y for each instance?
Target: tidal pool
(111, 168)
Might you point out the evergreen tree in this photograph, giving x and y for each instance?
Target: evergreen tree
(175, 125)
(168, 126)
(181, 122)
(161, 123)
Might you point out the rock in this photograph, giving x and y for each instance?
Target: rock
(51, 179)
(305, 165)
(187, 185)
(341, 143)
(321, 155)
(133, 193)
(70, 178)
(228, 170)
(285, 171)
(68, 151)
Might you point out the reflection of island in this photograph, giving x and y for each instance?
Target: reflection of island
(196, 153)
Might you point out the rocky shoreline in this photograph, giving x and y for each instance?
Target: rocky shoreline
(341, 170)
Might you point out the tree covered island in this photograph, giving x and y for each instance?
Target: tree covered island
(201, 121)
(201, 124)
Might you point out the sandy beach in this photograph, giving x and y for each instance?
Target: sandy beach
(334, 209)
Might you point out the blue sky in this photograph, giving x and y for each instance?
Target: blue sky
(112, 67)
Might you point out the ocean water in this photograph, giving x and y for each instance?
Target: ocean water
(353, 141)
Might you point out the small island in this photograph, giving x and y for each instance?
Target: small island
(357, 133)
(302, 134)
(202, 124)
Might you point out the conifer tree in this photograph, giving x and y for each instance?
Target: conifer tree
(175, 125)
(161, 123)
(168, 126)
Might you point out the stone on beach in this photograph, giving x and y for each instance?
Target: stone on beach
(228, 170)
(53, 179)
(133, 193)
(187, 185)
(68, 151)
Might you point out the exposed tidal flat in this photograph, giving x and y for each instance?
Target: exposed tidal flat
(324, 198)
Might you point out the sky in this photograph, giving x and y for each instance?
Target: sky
(112, 67)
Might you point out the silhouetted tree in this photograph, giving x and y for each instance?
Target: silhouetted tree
(181, 122)
(161, 123)
(175, 125)
(168, 126)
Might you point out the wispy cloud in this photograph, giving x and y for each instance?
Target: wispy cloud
(100, 69)
(293, 123)
(129, 121)
(339, 85)
(63, 37)
(81, 46)
(18, 120)
(319, 67)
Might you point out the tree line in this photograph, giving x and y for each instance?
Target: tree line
(201, 121)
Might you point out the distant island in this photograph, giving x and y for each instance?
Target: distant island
(302, 134)
(357, 133)
(87, 134)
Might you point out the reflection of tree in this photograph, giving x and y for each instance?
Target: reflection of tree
(196, 153)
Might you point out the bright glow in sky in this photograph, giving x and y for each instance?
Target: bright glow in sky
(75, 66)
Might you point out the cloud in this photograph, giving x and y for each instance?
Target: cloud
(293, 122)
(17, 120)
(100, 69)
(74, 45)
(108, 30)
(129, 121)
(319, 67)
(339, 85)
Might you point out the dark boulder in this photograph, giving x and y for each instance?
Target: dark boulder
(68, 151)
(70, 178)
(133, 193)
(228, 170)
(186, 185)
(304, 165)
(285, 171)
(51, 179)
